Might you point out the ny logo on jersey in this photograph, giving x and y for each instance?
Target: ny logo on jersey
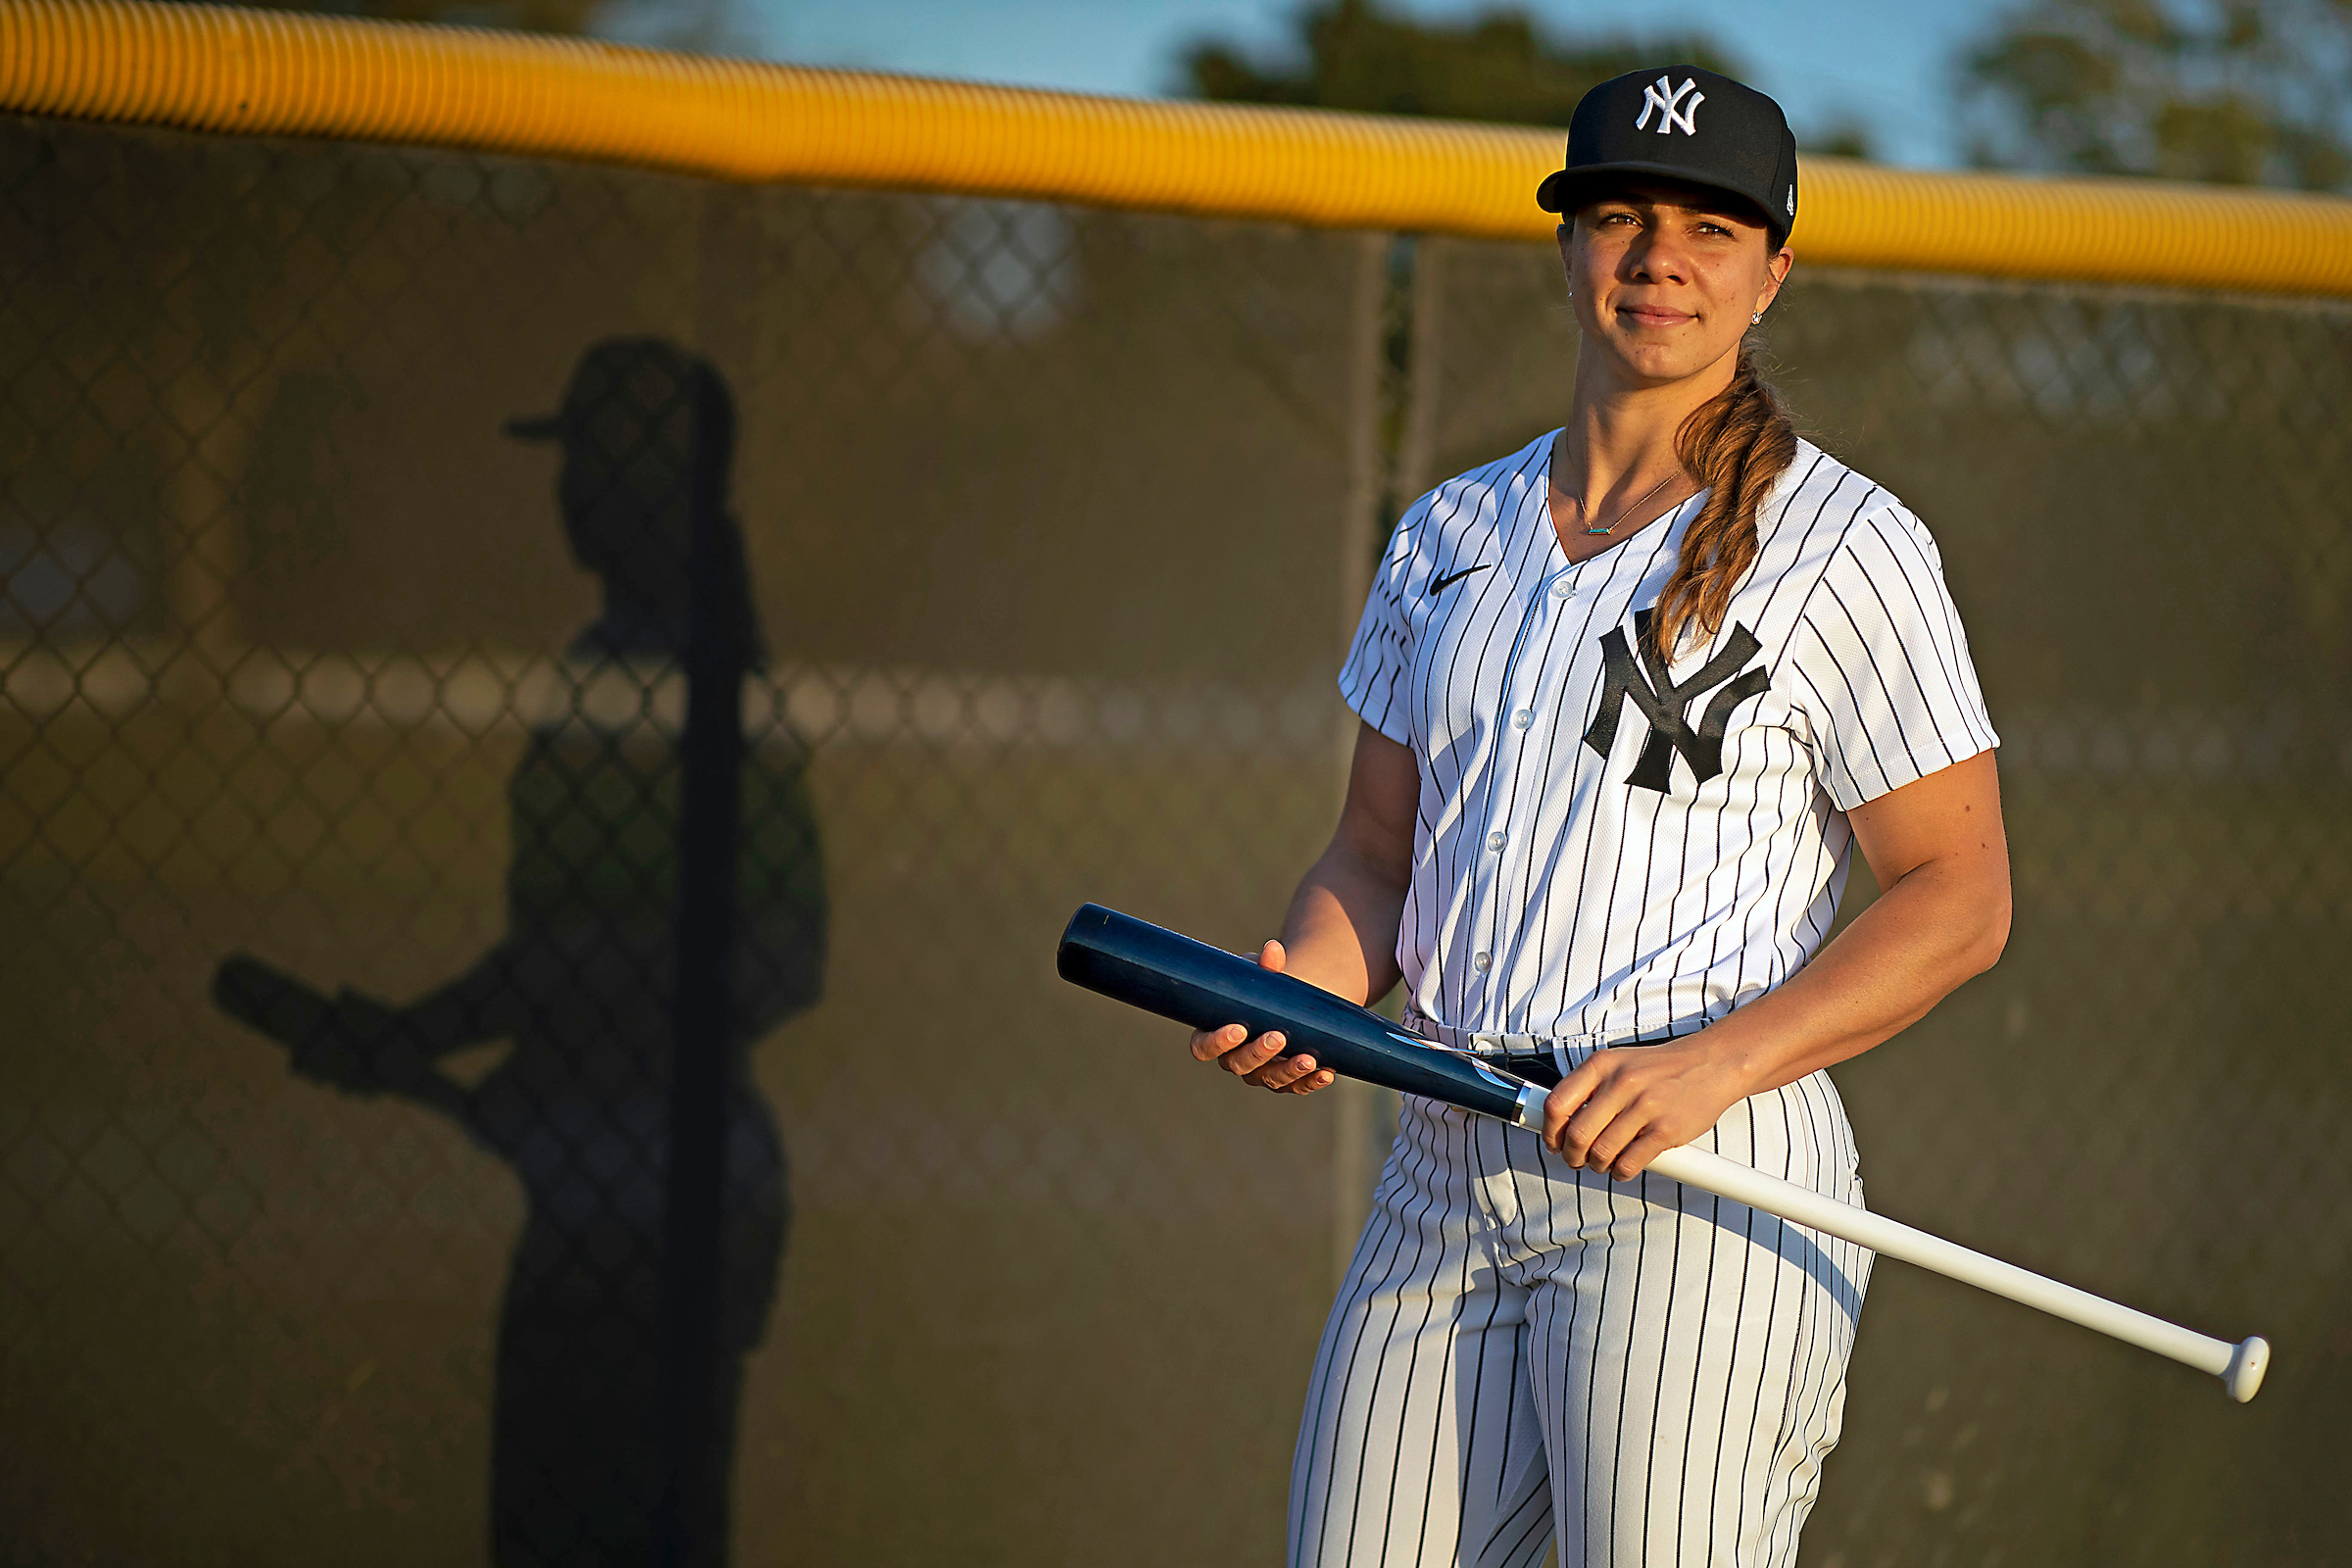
(1667, 100)
(1651, 688)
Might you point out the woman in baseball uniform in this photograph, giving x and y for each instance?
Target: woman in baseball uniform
(1631, 696)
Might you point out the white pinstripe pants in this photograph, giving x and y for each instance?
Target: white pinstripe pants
(1664, 1368)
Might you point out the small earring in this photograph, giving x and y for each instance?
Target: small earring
(1756, 319)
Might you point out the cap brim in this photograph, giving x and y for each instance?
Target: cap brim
(1562, 187)
(536, 427)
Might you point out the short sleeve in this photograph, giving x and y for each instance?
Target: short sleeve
(1373, 681)
(1880, 666)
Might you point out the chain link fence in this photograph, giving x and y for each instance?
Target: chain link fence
(353, 509)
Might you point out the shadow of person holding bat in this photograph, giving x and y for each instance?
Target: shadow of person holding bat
(654, 831)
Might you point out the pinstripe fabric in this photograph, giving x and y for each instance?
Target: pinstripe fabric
(1522, 1352)
(1606, 851)
(1550, 894)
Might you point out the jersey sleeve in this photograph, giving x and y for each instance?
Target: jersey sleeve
(1880, 666)
(1373, 679)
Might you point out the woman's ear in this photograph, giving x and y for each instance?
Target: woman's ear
(1775, 272)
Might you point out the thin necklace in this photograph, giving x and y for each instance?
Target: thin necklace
(1623, 510)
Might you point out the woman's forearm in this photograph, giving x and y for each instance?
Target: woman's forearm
(1340, 932)
(1939, 926)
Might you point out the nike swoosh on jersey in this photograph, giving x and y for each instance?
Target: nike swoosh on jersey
(1438, 585)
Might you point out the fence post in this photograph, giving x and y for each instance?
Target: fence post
(1416, 452)
(692, 1527)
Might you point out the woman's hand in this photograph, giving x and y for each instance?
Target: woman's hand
(1257, 1061)
(1620, 1109)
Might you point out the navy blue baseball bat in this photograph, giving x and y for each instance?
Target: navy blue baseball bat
(1161, 971)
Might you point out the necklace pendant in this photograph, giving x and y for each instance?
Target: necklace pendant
(1601, 532)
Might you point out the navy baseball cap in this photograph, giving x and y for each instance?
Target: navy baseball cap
(1680, 122)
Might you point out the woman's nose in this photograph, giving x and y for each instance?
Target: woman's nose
(1657, 259)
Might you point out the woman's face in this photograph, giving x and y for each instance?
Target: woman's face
(1666, 276)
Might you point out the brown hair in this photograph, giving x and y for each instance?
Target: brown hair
(1738, 444)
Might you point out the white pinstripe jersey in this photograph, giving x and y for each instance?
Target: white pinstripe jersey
(1609, 851)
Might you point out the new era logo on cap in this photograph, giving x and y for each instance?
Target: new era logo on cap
(1647, 124)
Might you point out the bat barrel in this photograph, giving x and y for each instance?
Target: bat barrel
(1170, 975)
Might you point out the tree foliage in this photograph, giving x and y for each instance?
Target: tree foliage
(1499, 65)
(2233, 92)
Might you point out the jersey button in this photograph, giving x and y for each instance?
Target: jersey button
(1495, 840)
(1523, 718)
(1562, 588)
(1483, 961)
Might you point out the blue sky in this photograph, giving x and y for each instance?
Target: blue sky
(1888, 62)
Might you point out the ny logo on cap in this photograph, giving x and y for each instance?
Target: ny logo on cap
(1667, 100)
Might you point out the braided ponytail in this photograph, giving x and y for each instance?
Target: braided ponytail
(1738, 444)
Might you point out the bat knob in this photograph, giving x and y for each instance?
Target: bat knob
(2243, 1377)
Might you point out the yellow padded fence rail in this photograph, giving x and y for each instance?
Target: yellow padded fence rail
(237, 72)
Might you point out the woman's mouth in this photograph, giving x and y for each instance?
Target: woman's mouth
(1653, 315)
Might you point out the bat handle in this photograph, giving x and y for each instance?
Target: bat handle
(2239, 1366)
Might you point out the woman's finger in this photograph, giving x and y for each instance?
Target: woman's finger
(1608, 1144)
(1245, 1060)
(1583, 1135)
(1635, 1157)
(1233, 1052)
(1210, 1044)
(1566, 1098)
(1584, 1104)
(1272, 957)
(1281, 1074)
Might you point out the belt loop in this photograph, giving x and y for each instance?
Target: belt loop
(1559, 1055)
